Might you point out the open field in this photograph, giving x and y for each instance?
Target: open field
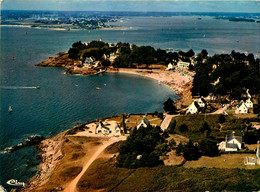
(103, 175)
(227, 161)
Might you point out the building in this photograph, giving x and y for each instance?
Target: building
(182, 64)
(89, 60)
(241, 108)
(201, 102)
(231, 143)
(143, 123)
(249, 103)
(170, 67)
(193, 108)
(101, 128)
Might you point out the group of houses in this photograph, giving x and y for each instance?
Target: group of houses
(112, 128)
(181, 64)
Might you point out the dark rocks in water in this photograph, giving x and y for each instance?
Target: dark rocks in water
(31, 141)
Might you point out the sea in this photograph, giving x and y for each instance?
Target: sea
(64, 101)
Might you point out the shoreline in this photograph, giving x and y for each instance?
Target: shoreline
(51, 148)
(176, 81)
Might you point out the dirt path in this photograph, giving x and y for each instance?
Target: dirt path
(72, 187)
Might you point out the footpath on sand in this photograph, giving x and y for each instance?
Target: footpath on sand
(72, 187)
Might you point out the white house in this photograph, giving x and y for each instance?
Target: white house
(182, 64)
(89, 60)
(231, 143)
(117, 131)
(193, 108)
(249, 103)
(241, 108)
(201, 102)
(143, 123)
(170, 67)
(101, 128)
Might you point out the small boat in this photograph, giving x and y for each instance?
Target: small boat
(38, 87)
(14, 182)
(10, 109)
(2, 189)
(12, 57)
(98, 88)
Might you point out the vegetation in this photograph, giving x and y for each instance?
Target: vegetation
(167, 178)
(197, 127)
(142, 148)
(226, 75)
(169, 106)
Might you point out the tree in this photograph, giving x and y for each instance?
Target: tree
(183, 128)
(205, 127)
(106, 63)
(169, 107)
(141, 142)
(179, 149)
(190, 53)
(221, 118)
(208, 147)
(172, 144)
(190, 151)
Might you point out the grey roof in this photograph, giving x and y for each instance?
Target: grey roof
(232, 136)
(196, 104)
(241, 103)
(202, 99)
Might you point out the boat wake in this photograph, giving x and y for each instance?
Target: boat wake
(11, 87)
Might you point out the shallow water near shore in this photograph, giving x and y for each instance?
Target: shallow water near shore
(64, 101)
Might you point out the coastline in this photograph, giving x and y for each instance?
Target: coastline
(181, 84)
(50, 150)
(51, 147)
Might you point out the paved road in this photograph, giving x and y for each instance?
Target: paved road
(167, 120)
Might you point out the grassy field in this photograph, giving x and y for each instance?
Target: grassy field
(223, 161)
(194, 124)
(104, 176)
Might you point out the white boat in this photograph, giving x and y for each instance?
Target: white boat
(98, 88)
(2, 189)
(14, 182)
(10, 109)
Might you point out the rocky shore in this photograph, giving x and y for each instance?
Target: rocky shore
(50, 154)
(72, 66)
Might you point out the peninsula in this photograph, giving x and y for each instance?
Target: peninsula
(212, 133)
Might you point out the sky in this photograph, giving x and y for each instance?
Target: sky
(135, 5)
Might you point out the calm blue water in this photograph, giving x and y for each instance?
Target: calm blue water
(65, 100)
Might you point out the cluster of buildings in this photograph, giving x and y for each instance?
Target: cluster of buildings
(112, 128)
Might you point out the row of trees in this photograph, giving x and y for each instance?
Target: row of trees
(129, 55)
(206, 147)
